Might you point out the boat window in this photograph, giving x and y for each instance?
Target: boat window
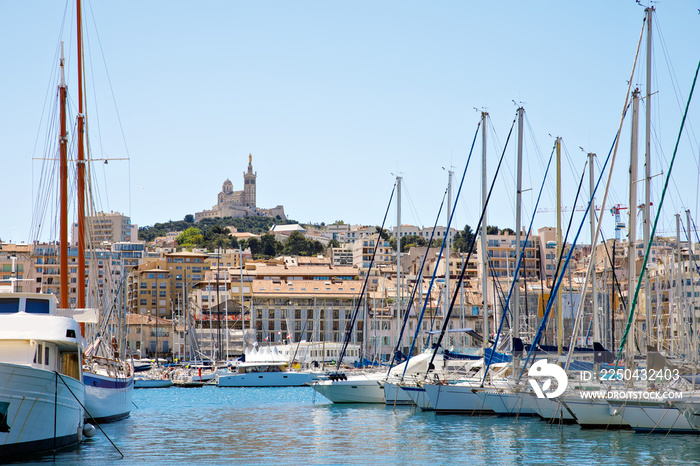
(38, 354)
(46, 355)
(37, 306)
(9, 305)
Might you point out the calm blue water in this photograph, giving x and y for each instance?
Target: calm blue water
(212, 425)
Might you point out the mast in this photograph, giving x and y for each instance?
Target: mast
(398, 258)
(63, 145)
(484, 254)
(691, 308)
(632, 226)
(594, 278)
(240, 258)
(447, 242)
(560, 314)
(518, 208)
(81, 171)
(647, 173)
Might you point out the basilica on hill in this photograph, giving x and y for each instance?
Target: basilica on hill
(241, 203)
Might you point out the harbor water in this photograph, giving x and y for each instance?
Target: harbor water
(212, 425)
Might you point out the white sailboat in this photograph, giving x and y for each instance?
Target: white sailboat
(109, 379)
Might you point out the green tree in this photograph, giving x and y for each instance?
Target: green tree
(270, 246)
(189, 218)
(255, 247)
(410, 241)
(464, 238)
(491, 230)
(190, 238)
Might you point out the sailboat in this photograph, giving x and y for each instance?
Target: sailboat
(108, 378)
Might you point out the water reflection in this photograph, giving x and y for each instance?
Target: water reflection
(273, 425)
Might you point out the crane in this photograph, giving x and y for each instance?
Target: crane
(619, 224)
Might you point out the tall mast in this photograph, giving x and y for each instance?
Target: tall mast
(484, 254)
(594, 278)
(81, 168)
(518, 208)
(398, 258)
(63, 145)
(647, 174)
(632, 226)
(691, 308)
(447, 244)
(560, 313)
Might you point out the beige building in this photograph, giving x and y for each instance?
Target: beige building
(104, 227)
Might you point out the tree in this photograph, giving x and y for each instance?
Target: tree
(491, 230)
(255, 247)
(270, 246)
(464, 238)
(189, 218)
(508, 231)
(192, 237)
(333, 243)
(410, 241)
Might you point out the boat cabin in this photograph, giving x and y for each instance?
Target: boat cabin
(32, 334)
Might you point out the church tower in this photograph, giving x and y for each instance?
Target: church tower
(249, 184)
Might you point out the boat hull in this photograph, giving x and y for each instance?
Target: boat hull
(595, 414)
(652, 417)
(418, 397)
(152, 383)
(351, 391)
(266, 379)
(552, 410)
(32, 402)
(107, 399)
(394, 395)
(506, 403)
(459, 398)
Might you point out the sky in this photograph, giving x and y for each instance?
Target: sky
(335, 99)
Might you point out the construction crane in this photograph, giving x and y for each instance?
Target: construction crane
(619, 224)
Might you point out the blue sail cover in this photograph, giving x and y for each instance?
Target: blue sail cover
(495, 357)
(447, 354)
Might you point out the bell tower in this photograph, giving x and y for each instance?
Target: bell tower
(249, 184)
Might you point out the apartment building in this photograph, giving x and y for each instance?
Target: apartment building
(104, 227)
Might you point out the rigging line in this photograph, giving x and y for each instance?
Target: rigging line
(509, 177)
(364, 285)
(499, 292)
(690, 251)
(469, 254)
(560, 276)
(676, 90)
(442, 247)
(656, 219)
(517, 267)
(419, 282)
(559, 271)
(410, 203)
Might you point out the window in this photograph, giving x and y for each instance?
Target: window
(9, 305)
(37, 306)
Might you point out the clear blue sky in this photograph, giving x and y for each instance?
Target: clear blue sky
(334, 98)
